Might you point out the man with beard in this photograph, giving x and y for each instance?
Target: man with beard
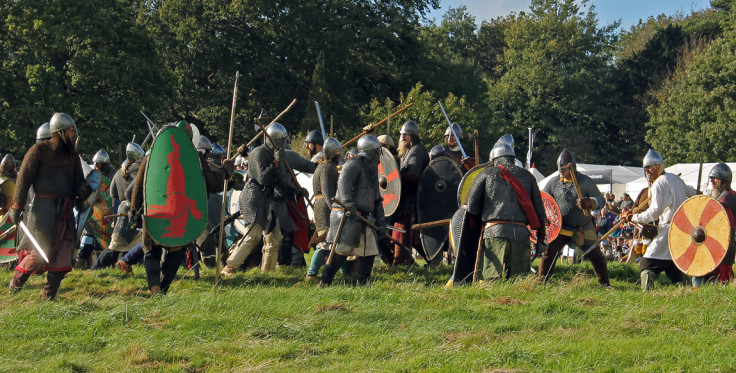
(314, 143)
(720, 179)
(452, 150)
(666, 194)
(506, 198)
(357, 189)
(53, 171)
(578, 228)
(413, 160)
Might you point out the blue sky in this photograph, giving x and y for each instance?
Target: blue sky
(628, 11)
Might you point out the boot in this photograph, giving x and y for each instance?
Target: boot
(80, 263)
(125, 267)
(155, 290)
(19, 279)
(228, 271)
(647, 279)
(310, 278)
(53, 282)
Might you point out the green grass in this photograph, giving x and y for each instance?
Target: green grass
(404, 321)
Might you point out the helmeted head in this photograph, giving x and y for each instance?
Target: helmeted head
(43, 132)
(332, 148)
(7, 166)
(278, 134)
(410, 128)
(60, 123)
(369, 148)
(204, 145)
(352, 153)
(436, 151)
(239, 161)
(448, 133)
(386, 141)
(134, 152)
(653, 164)
(101, 157)
(184, 126)
(218, 151)
(507, 139)
(502, 149)
(315, 137)
(566, 160)
(720, 179)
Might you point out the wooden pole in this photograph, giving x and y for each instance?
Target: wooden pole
(373, 126)
(274, 120)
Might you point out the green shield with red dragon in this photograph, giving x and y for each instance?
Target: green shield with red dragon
(101, 227)
(175, 196)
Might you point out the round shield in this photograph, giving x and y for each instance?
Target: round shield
(435, 201)
(466, 182)
(699, 235)
(7, 188)
(554, 218)
(233, 207)
(93, 179)
(389, 182)
(305, 181)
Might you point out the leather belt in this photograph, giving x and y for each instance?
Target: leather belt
(497, 222)
(318, 196)
(340, 209)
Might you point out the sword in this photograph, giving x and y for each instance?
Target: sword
(453, 131)
(33, 241)
(396, 229)
(321, 122)
(151, 126)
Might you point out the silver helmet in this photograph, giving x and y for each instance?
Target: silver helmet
(436, 151)
(7, 165)
(43, 132)
(218, 151)
(564, 159)
(719, 171)
(278, 134)
(507, 139)
(386, 141)
(239, 160)
(652, 158)
(332, 147)
(315, 137)
(101, 157)
(134, 152)
(458, 130)
(60, 121)
(204, 144)
(369, 147)
(502, 149)
(410, 128)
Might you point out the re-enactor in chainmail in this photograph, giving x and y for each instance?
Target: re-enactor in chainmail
(160, 274)
(295, 221)
(53, 172)
(357, 188)
(578, 227)
(324, 185)
(414, 159)
(261, 200)
(505, 214)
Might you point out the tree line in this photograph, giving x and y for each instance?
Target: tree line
(607, 94)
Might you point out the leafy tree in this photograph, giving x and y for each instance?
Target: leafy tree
(86, 58)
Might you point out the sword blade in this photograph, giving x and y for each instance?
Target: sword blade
(321, 122)
(457, 139)
(33, 241)
(396, 229)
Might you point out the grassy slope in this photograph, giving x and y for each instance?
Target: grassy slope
(104, 321)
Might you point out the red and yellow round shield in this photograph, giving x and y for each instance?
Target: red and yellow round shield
(554, 218)
(699, 235)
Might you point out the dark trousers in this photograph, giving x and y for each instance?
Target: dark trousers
(162, 273)
(659, 265)
(135, 255)
(365, 267)
(107, 258)
(548, 260)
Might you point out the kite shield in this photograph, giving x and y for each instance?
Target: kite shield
(175, 197)
(389, 182)
(699, 235)
(464, 237)
(435, 201)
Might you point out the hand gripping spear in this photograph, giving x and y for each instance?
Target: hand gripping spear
(218, 250)
(453, 131)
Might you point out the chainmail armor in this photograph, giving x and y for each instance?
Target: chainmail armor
(566, 197)
(324, 182)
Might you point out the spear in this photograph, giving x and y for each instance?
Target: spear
(372, 127)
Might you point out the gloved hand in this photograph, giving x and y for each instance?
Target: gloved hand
(303, 193)
(540, 247)
(625, 215)
(468, 163)
(280, 155)
(15, 215)
(383, 232)
(585, 203)
(229, 166)
(84, 191)
(243, 150)
(351, 210)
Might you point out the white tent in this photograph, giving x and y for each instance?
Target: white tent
(688, 173)
(620, 176)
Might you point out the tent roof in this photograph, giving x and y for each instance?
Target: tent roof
(688, 173)
(621, 174)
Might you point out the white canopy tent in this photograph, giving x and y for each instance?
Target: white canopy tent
(688, 173)
(610, 179)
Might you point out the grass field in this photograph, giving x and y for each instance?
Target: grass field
(405, 321)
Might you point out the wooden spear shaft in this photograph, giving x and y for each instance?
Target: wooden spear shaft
(273, 121)
(373, 126)
(218, 251)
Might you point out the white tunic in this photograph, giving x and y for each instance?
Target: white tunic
(666, 195)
